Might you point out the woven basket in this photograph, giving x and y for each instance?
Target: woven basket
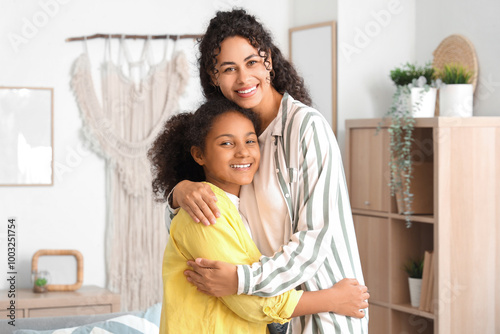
(457, 49)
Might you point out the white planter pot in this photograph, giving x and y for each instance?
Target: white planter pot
(415, 289)
(456, 100)
(427, 102)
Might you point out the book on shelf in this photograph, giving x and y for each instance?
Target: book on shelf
(427, 283)
(430, 288)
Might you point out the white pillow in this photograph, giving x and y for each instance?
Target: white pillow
(146, 323)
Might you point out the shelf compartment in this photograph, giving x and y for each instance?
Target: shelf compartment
(406, 243)
(422, 177)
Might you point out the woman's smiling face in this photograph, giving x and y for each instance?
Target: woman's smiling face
(231, 155)
(242, 74)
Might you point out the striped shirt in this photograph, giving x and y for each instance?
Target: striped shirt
(322, 249)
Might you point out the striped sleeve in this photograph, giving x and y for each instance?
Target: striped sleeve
(322, 237)
(169, 211)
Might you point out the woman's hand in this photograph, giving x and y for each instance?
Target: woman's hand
(214, 278)
(349, 298)
(198, 200)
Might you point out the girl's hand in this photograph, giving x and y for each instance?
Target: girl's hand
(349, 298)
(198, 200)
(214, 278)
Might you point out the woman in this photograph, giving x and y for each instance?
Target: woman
(298, 197)
(217, 144)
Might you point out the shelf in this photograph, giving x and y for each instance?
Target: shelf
(379, 303)
(431, 122)
(407, 308)
(429, 219)
(370, 213)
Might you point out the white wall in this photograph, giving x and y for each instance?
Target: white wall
(373, 37)
(476, 20)
(71, 214)
(305, 12)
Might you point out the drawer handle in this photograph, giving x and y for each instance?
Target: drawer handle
(367, 203)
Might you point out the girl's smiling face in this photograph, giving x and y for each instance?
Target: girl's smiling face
(231, 155)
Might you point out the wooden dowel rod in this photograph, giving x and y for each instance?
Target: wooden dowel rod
(174, 37)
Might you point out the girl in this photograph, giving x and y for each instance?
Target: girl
(299, 196)
(217, 144)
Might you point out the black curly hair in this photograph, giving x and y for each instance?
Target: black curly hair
(170, 154)
(238, 23)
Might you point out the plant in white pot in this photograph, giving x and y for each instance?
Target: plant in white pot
(411, 80)
(416, 82)
(414, 268)
(456, 93)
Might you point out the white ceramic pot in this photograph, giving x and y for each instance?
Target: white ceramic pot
(427, 102)
(456, 100)
(415, 290)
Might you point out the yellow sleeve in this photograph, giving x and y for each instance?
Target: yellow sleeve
(228, 241)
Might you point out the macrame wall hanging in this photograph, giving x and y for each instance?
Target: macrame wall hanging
(122, 129)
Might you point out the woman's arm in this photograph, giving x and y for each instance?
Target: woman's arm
(197, 199)
(347, 297)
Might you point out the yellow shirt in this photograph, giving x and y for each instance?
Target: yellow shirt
(186, 310)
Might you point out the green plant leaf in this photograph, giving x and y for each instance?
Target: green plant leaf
(454, 73)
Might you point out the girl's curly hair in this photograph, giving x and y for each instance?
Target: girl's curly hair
(170, 154)
(238, 23)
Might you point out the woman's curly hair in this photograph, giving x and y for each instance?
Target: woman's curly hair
(238, 23)
(170, 154)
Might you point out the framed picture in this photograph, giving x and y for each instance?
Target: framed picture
(26, 136)
(313, 51)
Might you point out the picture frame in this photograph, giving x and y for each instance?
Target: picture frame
(61, 252)
(27, 136)
(313, 51)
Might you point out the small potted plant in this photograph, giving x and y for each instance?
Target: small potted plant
(414, 268)
(418, 82)
(456, 93)
(410, 80)
(41, 279)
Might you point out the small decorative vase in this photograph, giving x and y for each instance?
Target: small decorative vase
(427, 102)
(40, 281)
(456, 100)
(415, 289)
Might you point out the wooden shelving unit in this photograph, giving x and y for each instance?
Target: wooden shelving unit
(463, 229)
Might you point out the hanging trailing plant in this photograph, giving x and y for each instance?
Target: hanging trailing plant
(402, 127)
(400, 141)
